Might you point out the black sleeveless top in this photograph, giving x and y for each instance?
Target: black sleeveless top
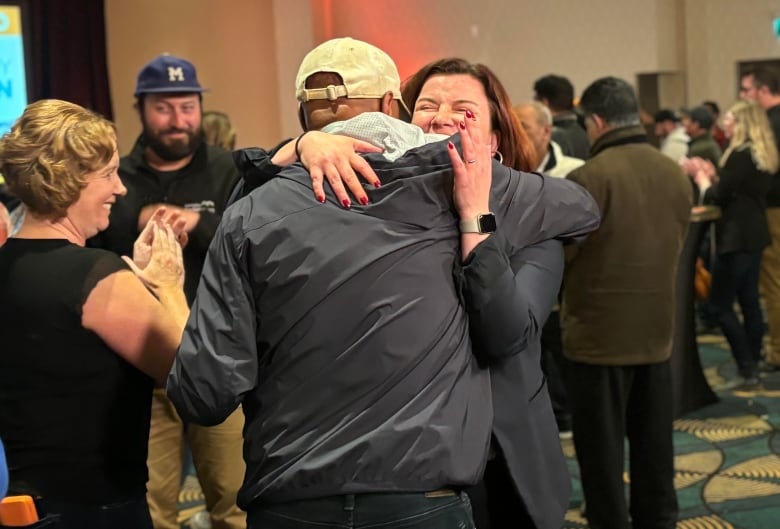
(74, 416)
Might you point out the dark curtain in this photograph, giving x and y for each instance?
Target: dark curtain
(68, 44)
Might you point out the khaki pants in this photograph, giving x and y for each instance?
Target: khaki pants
(217, 454)
(770, 285)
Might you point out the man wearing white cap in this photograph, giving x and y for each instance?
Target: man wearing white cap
(348, 341)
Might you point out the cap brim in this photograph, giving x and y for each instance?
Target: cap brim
(179, 90)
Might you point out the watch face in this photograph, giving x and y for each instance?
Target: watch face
(487, 223)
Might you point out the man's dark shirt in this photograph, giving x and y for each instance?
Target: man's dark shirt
(203, 185)
(572, 138)
(773, 197)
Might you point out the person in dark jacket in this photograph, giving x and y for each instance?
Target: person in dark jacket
(403, 182)
(762, 84)
(527, 480)
(740, 188)
(171, 165)
(698, 125)
(557, 93)
(618, 315)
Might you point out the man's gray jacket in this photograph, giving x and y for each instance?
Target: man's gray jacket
(344, 336)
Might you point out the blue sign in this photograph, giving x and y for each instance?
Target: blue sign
(13, 81)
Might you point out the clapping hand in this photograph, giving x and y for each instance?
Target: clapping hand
(165, 266)
(142, 248)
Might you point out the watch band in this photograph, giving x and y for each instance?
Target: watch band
(470, 225)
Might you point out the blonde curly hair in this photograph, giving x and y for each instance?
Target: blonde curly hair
(50, 150)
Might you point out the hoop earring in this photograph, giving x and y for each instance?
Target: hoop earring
(499, 156)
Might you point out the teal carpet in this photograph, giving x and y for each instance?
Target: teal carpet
(727, 455)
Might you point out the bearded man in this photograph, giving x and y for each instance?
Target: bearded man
(171, 165)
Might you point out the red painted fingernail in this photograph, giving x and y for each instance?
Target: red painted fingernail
(377, 184)
(450, 145)
(363, 200)
(462, 125)
(346, 203)
(320, 199)
(469, 114)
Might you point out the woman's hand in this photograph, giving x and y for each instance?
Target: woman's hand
(705, 174)
(142, 248)
(709, 170)
(473, 172)
(165, 268)
(335, 158)
(473, 176)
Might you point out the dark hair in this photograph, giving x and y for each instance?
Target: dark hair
(613, 100)
(702, 116)
(557, 90)
(712, 106)
(666, 114)
(513, 143)
(768, 76)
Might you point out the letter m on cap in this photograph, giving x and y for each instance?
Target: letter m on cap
(175, 73)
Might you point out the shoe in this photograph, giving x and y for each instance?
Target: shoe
(766, 367)
(706, 328)
(750, 383)
(200, 520)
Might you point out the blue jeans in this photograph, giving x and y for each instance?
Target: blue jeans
(130, 514)
(735, 277)
(376, 511)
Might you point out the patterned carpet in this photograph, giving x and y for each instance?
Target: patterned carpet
(727, 455)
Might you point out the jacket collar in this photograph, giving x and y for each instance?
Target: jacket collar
(617, 137)
(550, 159)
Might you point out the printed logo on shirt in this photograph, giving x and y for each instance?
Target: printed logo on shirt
(204, 205)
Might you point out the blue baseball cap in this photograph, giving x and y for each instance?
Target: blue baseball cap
(167, 73)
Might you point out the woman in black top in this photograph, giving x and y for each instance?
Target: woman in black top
(739, 187)
(83, 339)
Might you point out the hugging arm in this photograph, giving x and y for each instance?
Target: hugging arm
(217, 361)
(254, 169)
(534, 208)
(508, 294)
(326, 157)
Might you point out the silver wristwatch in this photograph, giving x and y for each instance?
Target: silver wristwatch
(485, 223)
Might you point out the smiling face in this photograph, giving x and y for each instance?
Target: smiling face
(89, 214)
(172, 124)
(443, 101)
